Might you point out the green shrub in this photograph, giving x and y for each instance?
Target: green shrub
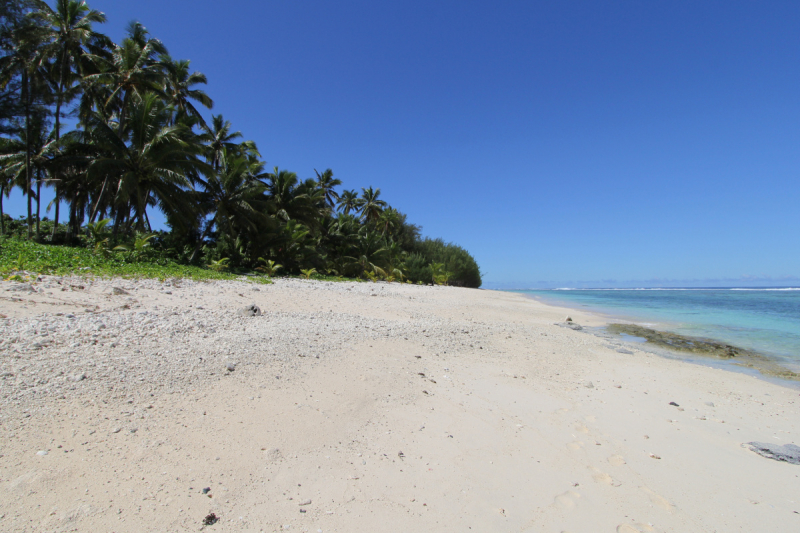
(456, 260)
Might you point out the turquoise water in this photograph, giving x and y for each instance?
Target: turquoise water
(764, 320)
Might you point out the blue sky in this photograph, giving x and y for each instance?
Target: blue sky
(559, 142)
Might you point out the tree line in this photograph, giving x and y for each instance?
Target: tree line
(115, 130)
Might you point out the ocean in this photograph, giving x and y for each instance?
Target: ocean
(763, 320)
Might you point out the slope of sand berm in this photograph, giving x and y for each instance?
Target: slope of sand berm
(366, 407)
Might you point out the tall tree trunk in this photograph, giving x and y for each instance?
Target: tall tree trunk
(99, 199)
(26, 98)
(117, 221)
(200, 242)
(2, 215)
(68, 228)
(77, 219)
(128, 222)
(38, 204)
(59, 100)
(55, 215)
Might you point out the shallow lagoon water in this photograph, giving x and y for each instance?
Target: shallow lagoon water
(762, 320)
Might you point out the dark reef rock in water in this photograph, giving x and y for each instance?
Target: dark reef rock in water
(789, 453)
(679, 342)
(707, 348)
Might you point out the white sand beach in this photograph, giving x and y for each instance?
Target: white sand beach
(366, 407)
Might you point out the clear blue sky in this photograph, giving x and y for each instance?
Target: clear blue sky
(556, 141)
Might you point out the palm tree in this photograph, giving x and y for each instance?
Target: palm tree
(179, 91)
(293, 200)
(8, 176)
(134, 69)
(235, 196)
(218, 138)
(395, 260)
(348, 201)
(370, 204)
(370, 253)
(152, 166)
(78, 188)
(42, 148)
(28, 38)
(388, 220)
(326, 182)
(70, 29)
(296, 248)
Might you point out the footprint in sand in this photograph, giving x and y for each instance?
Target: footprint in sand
(658, 500)
(601, 477)
(581, 428)
(616, 460)
(568, 500)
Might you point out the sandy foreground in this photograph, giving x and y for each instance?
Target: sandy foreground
(366, 407)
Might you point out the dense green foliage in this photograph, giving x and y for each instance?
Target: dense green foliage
(457, 261)
(140, 143)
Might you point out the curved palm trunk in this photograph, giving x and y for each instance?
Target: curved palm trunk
(99, 199)
(200, 242)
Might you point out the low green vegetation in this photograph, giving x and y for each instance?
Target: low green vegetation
(18, 255)
(139, 144)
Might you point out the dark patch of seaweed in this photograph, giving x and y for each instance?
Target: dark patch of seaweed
(706, 348)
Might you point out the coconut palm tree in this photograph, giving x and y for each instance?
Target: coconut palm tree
(218, 138)
(326, 182)
(388, 220)
(70, 32)
(28, 38)
(179, 91)
(133, 70)
(235, 196)
(42, 148)
(294, 200)
(151, 157)
(370, 253)
(9, 176)
(370, 204)
(348, 201)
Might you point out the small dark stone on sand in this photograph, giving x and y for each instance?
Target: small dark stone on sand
(675, 404)
(206, 490)
(210, 519)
